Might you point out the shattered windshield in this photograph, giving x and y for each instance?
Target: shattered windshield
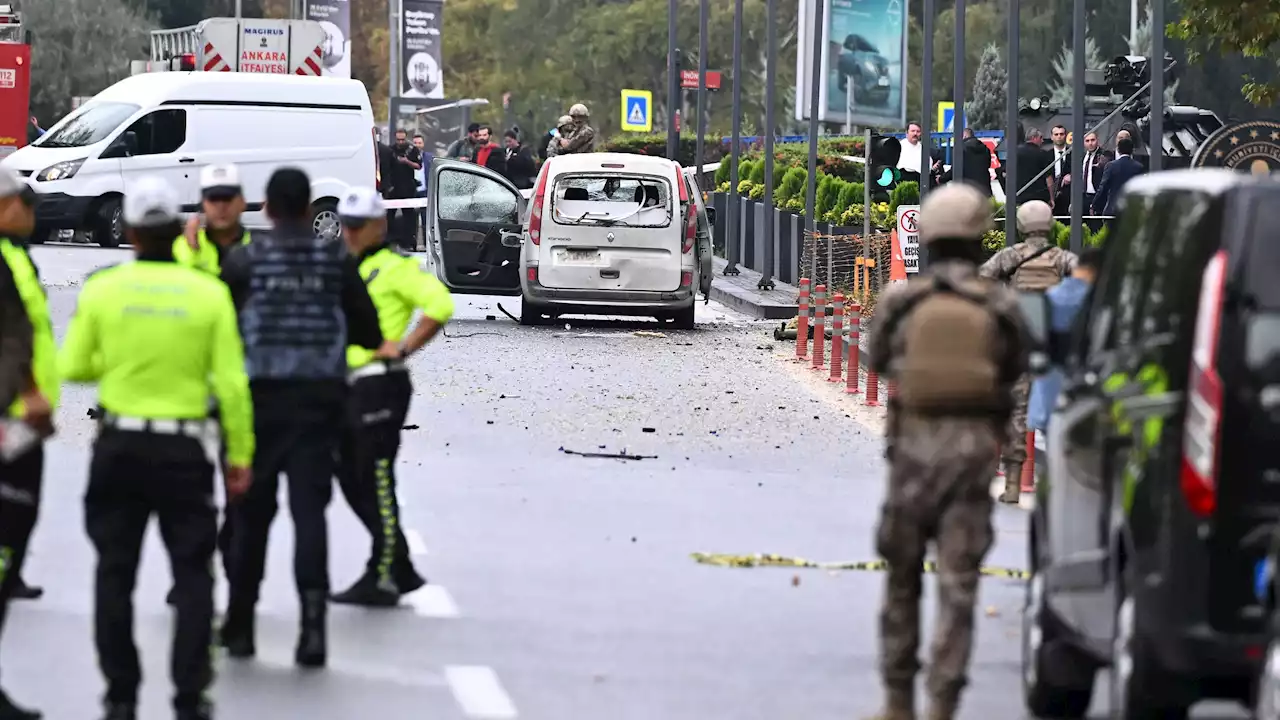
(635, 201)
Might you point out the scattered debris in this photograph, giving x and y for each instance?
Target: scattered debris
(624, 455)
(795, 581)
(491, 317)
(649, 334)
(412, 427)
(649, 430)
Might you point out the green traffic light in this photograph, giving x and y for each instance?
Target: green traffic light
(886, 177)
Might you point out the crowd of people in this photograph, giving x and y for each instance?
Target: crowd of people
(280, 352)
(1106, 171)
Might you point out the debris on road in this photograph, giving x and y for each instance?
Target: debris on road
(624, 455)
(768, 560)
(649, 334)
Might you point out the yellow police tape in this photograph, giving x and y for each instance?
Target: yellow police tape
(768, 560)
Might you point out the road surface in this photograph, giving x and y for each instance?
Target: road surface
(562, 586)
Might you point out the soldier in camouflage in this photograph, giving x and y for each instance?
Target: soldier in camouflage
(1034, 264)
(564, 128)
(583, 137)
(955, 344)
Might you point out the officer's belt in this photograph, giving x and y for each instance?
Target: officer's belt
(375, 368)
(198, 429)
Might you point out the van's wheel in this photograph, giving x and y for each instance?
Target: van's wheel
(1057, 681)
(1140, 688)
(324, 220)
(683, 318)
(530, 314)
(1267, 703)
(108, 226)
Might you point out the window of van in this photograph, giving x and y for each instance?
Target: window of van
(471, 197)
(160, 132)
(92, 123)
(612, 200)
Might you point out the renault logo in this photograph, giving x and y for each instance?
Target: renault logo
(609, 237)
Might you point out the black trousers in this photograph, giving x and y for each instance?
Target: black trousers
(376, 412)
(297, 425)
(402, 226)
(132, 476)
(20, 483)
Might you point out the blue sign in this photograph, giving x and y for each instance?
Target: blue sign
(636, 111)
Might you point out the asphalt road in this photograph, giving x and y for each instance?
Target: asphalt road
(562, 586)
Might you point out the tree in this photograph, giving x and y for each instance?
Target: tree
(1140, 44)
(79, 47)
(1234, 27)
(986, 110)
(1064, 66)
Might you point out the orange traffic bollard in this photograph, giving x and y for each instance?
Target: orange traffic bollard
(819, 326)
(802, 321)
(852, 340)
(837, 338)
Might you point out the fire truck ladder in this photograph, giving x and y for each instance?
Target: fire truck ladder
(169, 44)
(11, 24)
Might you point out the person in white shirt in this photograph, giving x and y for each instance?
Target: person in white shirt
(1061, 166)
(1095, 160)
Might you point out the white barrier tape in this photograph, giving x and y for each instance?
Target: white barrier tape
(406, 204)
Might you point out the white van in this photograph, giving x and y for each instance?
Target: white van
(172, 124)
(605, 233)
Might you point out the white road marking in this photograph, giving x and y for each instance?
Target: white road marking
(280, 659)
(432, 601)
(479, 693)
(417, 546)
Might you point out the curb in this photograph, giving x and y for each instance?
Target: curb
(739, 293)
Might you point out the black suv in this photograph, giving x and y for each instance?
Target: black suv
(1163, 480)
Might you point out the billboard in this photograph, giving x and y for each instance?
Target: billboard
(335, 17)
(864, 58)
(422, 71)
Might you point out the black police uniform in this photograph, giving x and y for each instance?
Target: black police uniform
(300, 300)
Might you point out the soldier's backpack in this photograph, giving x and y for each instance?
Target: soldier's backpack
(951, 341)
(1038, 271)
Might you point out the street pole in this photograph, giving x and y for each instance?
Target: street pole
(701, 125)
(770, 79)
(240, 9)
(393, 57)
(673, 80)
(816, 78)
(926, 110)
(1011, 124)
(1077, 126)
(731, 240)
(957, 99)
(1156, 63)
(1134, 9)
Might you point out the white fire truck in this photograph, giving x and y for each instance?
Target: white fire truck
(256, 45)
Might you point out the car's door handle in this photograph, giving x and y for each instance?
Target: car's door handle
(186, 160)
(610, 274)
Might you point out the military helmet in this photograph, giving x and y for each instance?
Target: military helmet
(564, 121)
(1035, 217)
(579, 110)
(955, 211)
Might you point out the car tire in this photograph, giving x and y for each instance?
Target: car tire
(324, 220)
(530, 314)
(1267, 700)
(684, 318)
(108, 225)
(1140, 688)
(1057, 680)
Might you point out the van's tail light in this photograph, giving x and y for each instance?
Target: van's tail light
(535, 213)
(690, 211)
(1203, 425)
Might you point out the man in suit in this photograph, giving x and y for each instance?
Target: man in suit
(1032, 160)
(1095, 161)
(1060, 154)
(1117, 172)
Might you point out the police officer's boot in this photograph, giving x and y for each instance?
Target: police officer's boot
(120, 711)
(23, 591)
(943, 708)
(9, 710)
(237, 631)
(899, 704)
(371, 591)
(1012, 483)
(202, 711)
(312, 649)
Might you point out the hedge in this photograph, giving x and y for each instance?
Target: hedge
(656, 144)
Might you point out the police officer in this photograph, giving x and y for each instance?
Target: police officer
(955, 344)
(222, 202)
(1034, 264)
(34, 368)
(380, 392)
(301, 302)
(157, 337)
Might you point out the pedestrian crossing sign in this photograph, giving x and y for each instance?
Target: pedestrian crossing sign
(946, 117)
(637, 113)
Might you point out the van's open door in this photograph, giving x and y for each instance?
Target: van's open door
(474, 238)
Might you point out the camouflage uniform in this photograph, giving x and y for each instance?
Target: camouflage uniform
(1003, 266)
(583, 139)
(939, 489)
(565, 128)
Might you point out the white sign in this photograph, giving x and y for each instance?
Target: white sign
(264, 47)
(8, 78)
(909, 236)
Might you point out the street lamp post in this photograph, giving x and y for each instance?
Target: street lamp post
(957, 115)
(1077, 125)
(731, 240)
(673, 80)
(1011, 130)
(1156, 63)
(701, 124)
(816, 77)
(771, 74)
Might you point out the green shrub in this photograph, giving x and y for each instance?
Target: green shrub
(907, 193)
(722, 174)
(757, 171)
(851, 194)
(993, 241)
(1097, 239)
(827, 194)
(656, 144)
(793, 185)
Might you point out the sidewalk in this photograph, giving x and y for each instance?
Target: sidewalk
(741, 293)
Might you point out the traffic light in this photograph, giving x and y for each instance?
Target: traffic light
(883, 174)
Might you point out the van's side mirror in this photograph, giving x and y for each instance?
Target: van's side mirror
(711, 216)
(1035, 315)
(124, 146)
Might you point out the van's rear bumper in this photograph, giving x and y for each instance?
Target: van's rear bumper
(610, 301)
(59, 211)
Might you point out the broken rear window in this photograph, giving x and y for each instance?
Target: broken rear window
(612, 200)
